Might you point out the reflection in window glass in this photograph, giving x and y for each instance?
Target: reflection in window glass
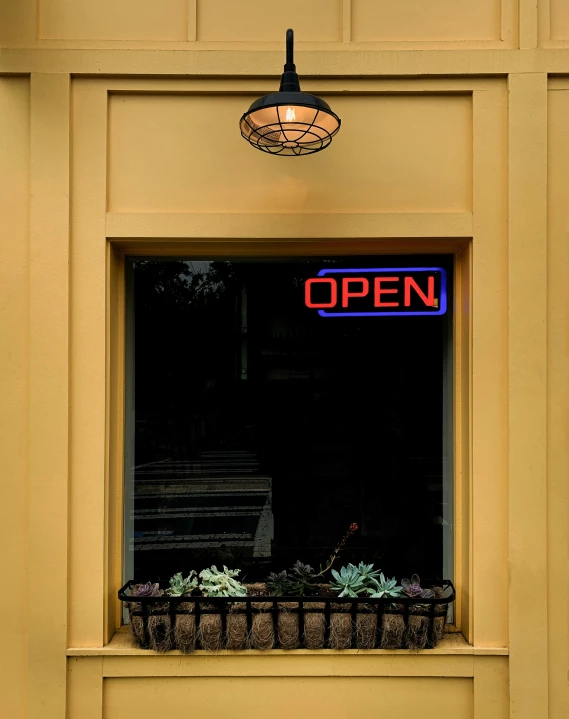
(258, 430)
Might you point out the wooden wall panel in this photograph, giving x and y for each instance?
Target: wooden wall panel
(420, 20)
(251, 20)
(559, 19)
(305, 697)
(183, 153)
(113, 20)
(557, 393)
(14, 379)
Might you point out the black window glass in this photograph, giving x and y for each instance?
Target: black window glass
(258, 429)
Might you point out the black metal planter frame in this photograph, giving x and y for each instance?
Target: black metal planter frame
(430, 608)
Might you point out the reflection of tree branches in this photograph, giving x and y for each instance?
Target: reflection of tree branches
(180, 283)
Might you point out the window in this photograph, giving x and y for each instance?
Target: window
(260, 423)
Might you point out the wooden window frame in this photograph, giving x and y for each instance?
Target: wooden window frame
(100, 243)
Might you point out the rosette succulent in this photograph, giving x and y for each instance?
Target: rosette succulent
(368, 573)
(384, 588)
(216, 583)
(278, 584)
(412, 588)
(149, 589)
(348, 581)
(301, 578)
(180, 586)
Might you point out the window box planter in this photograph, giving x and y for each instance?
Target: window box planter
(309, 622)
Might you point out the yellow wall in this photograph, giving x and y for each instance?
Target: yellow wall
(119, 135)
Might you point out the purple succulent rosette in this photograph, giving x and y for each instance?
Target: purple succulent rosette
(149, 589)
(412, 588)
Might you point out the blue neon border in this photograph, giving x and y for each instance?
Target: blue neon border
(377, 270)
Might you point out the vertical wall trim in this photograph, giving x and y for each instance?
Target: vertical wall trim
(88, 364)
(508, 21)
(48, 418)
(85, 688)
(527, 372)
(346, 20)
(491, 697)
(557, 392)
(528, 23)
(490, 369)
(192, 20)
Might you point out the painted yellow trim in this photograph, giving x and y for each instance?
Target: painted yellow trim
(527, 295)
(462, 334)
(489, 538)
(192, 20)
(14, 381)
(88, 359)
(48, 418)
(325, 85)
(84, 689)
(557, 415)
(491, 696)
(451, 644)
(346, 20)
(168, 234)
(290, 226)
(343, 61)
(528, 23)
(115, 343)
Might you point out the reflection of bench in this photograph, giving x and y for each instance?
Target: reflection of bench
(219, 484)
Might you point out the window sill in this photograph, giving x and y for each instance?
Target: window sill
(121, 645)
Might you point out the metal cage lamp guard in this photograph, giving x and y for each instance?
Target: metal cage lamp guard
(289, 122)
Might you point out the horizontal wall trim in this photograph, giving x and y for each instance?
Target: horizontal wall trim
(330, 86)
(342, 61)
(452, 657)
(296, 666)
(273, 226)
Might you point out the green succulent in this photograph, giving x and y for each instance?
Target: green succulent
(384, 588)
(301, 578)
(278, 584)
(368, 573)
(348, 581)
(215, 583)
(180, 586)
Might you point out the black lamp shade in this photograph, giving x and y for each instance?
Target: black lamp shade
(289, 122)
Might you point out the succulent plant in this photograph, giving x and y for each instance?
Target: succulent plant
(384, 588)
(368, 573)
(412, 588)
(180, 586)
(348, 581)
(216, 583)
(149, 589)
(301, 577)
(278, 584)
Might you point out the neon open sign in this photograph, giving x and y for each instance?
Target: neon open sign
(378, 292)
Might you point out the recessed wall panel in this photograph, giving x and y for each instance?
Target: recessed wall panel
(394, 153)
(113, 20)
(258, 697)
(416, 20)
(251, 20)
(559, 19)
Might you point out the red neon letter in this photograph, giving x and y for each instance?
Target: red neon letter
(333, 292)
(428, 300)
(346, 294)
(379, 290)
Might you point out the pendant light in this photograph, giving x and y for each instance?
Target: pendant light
(289, 122)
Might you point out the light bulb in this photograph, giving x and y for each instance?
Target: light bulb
(290, 115)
